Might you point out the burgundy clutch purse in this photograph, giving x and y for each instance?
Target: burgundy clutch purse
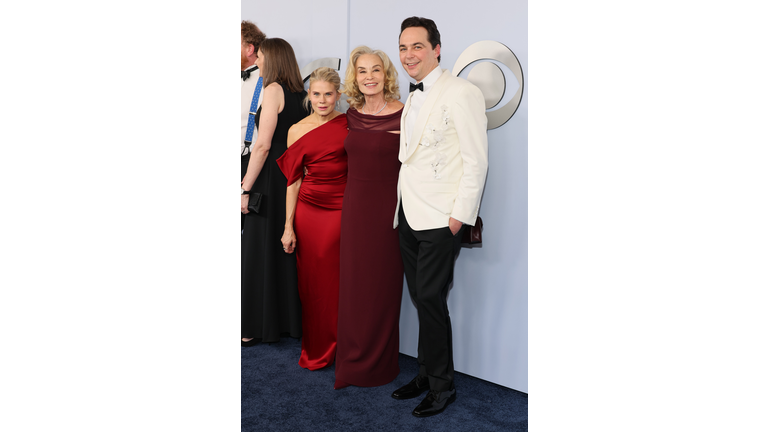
(473, 235)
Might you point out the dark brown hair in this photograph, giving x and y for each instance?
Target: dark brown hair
(280, 65)
(433, 35)
(251, 35)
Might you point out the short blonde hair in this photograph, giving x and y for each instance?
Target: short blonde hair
(391, 87)
(323, 74)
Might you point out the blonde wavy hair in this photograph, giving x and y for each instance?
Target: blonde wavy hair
(323, 74)
(391, 87)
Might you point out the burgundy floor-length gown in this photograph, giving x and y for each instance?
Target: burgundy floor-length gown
(317, 224)
(371, 267)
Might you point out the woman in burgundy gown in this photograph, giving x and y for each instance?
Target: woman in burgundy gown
(371, 267)
(315, 165)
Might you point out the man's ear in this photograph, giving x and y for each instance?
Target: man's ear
(250, 50)
(437, 51)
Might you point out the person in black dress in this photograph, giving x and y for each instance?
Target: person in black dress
(270, 305)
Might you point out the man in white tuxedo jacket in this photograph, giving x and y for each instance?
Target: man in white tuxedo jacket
(444, 156)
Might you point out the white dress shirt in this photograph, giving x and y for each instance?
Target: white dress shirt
(247, 88)
(418, 98)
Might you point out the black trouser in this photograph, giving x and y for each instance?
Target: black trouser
(428, 259)
(243, 169)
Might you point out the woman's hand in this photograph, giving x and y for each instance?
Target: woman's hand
(244, 204)
(289, 240)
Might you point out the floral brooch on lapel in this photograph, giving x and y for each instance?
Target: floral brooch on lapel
(434, 138)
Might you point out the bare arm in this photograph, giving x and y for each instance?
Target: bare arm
(271, 105)
(291, 198)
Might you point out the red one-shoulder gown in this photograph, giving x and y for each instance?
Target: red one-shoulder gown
(317, 224)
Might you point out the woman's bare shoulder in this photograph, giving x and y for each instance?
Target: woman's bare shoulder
(299, 129)
(396, 104)
(273, 89)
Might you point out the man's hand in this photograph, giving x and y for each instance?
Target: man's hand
(454, 225)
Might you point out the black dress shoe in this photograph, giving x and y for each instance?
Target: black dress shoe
(435, 403)
(251, 342)
(414, 388)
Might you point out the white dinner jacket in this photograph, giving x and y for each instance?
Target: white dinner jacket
(444, 166)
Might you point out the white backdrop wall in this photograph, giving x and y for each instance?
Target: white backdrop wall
(489, 298)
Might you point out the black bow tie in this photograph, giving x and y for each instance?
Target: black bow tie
(419, 86)
(247, 73)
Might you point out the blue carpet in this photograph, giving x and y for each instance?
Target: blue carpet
(278, 395)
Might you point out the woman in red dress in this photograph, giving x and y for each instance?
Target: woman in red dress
(315, 165)
(371, 267)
